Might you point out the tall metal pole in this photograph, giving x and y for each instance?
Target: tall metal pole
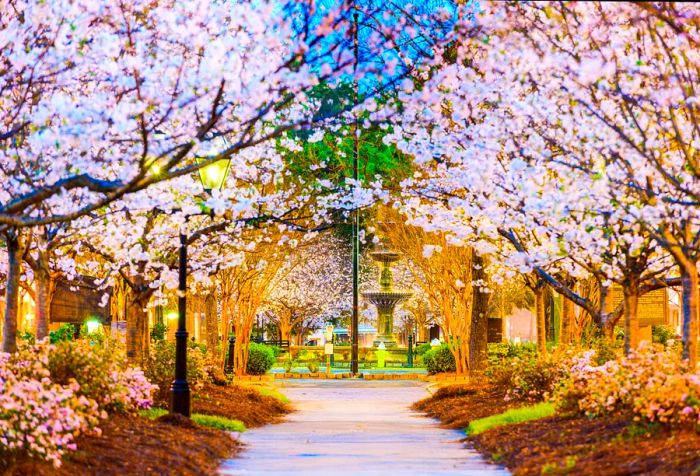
(355, 225)
(180, 389)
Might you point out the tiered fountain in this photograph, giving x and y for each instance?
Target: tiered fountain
(386, 298)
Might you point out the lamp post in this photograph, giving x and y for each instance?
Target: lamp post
(212, 176)
(354, 353)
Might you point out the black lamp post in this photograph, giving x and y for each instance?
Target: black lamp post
(212, 177)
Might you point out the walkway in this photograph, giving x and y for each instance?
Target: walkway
(355, 427)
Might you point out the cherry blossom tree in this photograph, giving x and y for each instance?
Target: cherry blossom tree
(540, 130)
(311, 288)
(105, 100)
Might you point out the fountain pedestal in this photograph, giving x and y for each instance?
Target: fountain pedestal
(386, 299)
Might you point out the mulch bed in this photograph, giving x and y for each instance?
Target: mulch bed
(132, 445)
(170, 445)
(555, 445)
(239, 403)
(455, 406)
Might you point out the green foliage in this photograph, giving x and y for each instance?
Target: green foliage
(261, 358)
(96, 337)
(160, 368)
(289, 363)
(218, 422)
(422, 348)
(276, 350)
(26, 337)
(439, 359)
(514, 415)
(605, 350)
(63, 333)
(498, 353)
(158, 331)
(662, 334)
(312, 366)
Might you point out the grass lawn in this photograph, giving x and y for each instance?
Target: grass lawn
(209, 421)
(514, 415)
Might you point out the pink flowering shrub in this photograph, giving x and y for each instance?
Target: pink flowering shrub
(651, 384)
(530, 378)
(39, 418)
(102, 375)
(50, 394)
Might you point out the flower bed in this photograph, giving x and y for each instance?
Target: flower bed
(50, 394)
(629, 415)
(651, 385)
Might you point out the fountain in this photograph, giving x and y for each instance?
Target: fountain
(386, 298)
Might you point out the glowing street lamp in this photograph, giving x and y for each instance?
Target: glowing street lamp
(213, 175)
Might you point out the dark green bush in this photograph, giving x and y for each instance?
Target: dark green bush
(158, 331)
(261, 358)
(26, 337)
(439, 359)
(422, 348)
(64, 333)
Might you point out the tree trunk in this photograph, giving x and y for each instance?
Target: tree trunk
(568, 318)
(14, 260)
(478, 337)
(285, 326)
(541, 320)
(631, 300)
(212, 324)
(137, 338)
(689, 281)
(44, 294)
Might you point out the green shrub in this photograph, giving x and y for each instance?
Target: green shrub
(313, 367)
(63, 333)
(662, 334)
(439, 360)
(289, 363)
(276, 350)
(26, 337)
(498, 353)
(261, 358)
(158, 331)
(160, 368)
(422, 348)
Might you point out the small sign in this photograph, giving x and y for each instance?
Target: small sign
(328, 349)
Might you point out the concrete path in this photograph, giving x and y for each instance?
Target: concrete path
(356, 427)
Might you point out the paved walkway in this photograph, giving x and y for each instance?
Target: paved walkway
(355, 427)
